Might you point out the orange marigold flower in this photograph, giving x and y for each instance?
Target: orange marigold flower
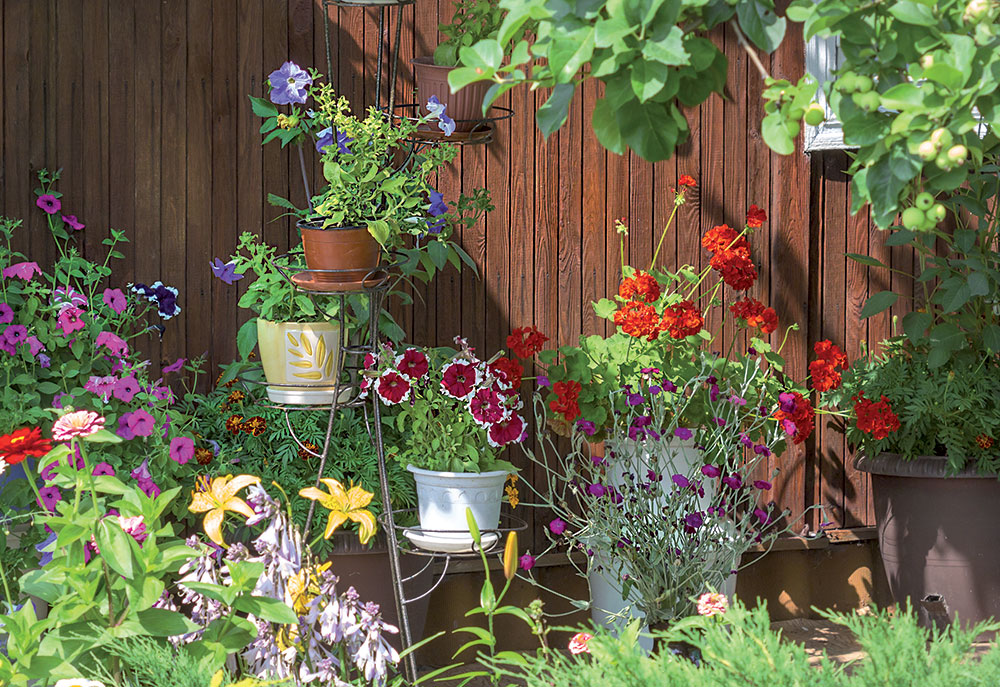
(686, 180)
(736, 268)
(875, 417)
(233, 424)
(235, 396)
(255, 426)
(824, 371)
(638, 320)
(304, 454)
(641, 286)
(203, 456)
(984, 442)
(682, 319)
(755, 314)
(755, 217)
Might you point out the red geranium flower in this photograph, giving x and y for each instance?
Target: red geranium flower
(755, 314)
(458, 380)
(565, 402)
(796, 416)
(875, 417)
(686, 180)
(736, 268)
(755, 217)
(24, 442)
(526, 341)
(824, 370)
(509, 371)
(682, 319)
(640, 287)
(722, 237)
(638, 320)
(392, 387)
(412, 363)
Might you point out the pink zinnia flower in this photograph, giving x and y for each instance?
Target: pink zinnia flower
(70, 320)
(114, 343)
(458, 380)
(392, 387)
(22, 270)
(712, 603)
(49, 203)
(181, 449)
(115, 299)
(510, 430)
(578, 644)
(81, 423)
(412, 363)
(73, 223)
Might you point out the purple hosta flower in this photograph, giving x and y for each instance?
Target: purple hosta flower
(101, 386)
(762, 516)
(116, 300)
(103, 468)
(114, 343)
(49, 497)
(596, 490)
(745, 440)
(141, 423)
(635, 399)
(289, 84)
(437, 208)
(721, 421)
(692, 521)
(762, 450)
(710, 471)
(527, 562)
(49, 203)
(737, 400)
(713, 393)
(763, 485)
(587, 427)
(543, 380)
(181, 449)
(557, 526)
(175, 366)
(73, 223)
(669, 386)
(6, 314)
(437, 110)
(225, 271)
(681, 481)
(22, 270)
(786, 402)
(683, 433)
(733, 481)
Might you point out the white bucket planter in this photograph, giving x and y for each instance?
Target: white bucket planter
(442, 498)
(668, 458)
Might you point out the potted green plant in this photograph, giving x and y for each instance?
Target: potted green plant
(913, 93)
(454, 414)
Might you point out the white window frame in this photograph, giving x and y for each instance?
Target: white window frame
(822, 57)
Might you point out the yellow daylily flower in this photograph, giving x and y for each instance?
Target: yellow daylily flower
(216, 498)
(344, 505)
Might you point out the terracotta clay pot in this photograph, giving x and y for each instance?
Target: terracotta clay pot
(465, 107)
(353, 250)
(937, 536)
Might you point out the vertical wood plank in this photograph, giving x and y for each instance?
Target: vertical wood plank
(41, 143)
(95, 135)
(121, 121)
(278, 230)
(594, 218)
(17, 130)
(67, 94)
(569, 254)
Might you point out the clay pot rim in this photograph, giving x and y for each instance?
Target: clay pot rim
(928, 467)
(428, 61)
(316, 225)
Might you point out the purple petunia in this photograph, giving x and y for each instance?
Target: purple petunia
(103, 468)
(181, 449)
(437, 110)
(141, 423)
(73, 223)
(289, 84)
(225, 271)
(22, 270)
(175, 366)
(49, 497)
(115, 299)
(436, 209)
(762, 450)
(115, 344)
(49, 203)
(126, 388)
(44, 360)
(6, 314)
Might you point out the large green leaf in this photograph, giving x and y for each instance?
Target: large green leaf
(160, 622)
(648, 78)
(879, 302)
(915, 13)
(606, 126)
(552, 115)
(271, 610)
(760, 24)
(669, 50)
(246, 338)
(115, 548)
(648, 129)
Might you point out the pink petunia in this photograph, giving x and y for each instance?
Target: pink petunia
(126, 388)
(101, 386)
(22, 270)
(181, 449)
(73, 223)
(49, 203)
(70, 320)
(116, 300)
(392, 387)
(114, 343)
(175, 366)
(486, 408)
(49, 497)
(103, 468)
(34, 345)
(81, 423)
(141, 423)
(6, 314)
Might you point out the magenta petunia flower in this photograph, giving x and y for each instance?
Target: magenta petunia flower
(49, 497)
(124, 431)
(73, 223)
(48, 473)
(557, 526)
(6, 314)
(103, 468)
(81, 423)
(175, 366)
(527, 562)
(486, 408)
(57, 401)
(116, 300)
(22, 270)
(141, 423)
(67, 295)
(49, 203)
(392, 387)
(162, 393)
(142, 472)
(510, 430)
(101, 386)
(114, 343)
(70, 320)
(15, 334)
(289, 84)
(181, 449)
(458, 380)
(412, 363)
(126, 388)
(34, 345)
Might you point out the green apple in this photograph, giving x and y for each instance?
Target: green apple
(924, 201)
(913, 218)
(957, 154)
(927, 150)
(941, 138)
(815, 115)
(937, 212)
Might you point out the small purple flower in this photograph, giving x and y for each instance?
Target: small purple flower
(126, 388)
(762, 517)
(289, 84)
(527, 562)
(635, 400)
(181, 449)
(596, 490)
(737, 400)
(15, 334)
(323, 139)
(789, 427)
(669, 386)
(57, 401)
(48, 473)
(692, 521)
(654, 389)
(543, 380)
(44, 360)
(149, 488)
(751, 351)
(711, 379)
(745, 440)
(762, 450)
(141, 423)
(6, 314)
(713, 393)
(683, 433)
(762, 484)
(437, 110)
(226, 272)
(587, 427)
(437, 208)
(175, 366)
(711, 471)
(46, 556)
(557, 526)
(115, 299)
(786, 401)
(73, 223)
(721, 421)
(598, 461)
(681, 481)
(34, 345)
(615, 496)
(652, 476)
(124, 431)
(103, 468)
(49, 497)
(49, 203)
(101, 386)
(733, 481)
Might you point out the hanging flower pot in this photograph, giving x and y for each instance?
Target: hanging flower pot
(352, 251)
(465, 107)
(302, 355)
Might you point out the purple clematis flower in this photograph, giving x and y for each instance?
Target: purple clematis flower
(437, 110)
(49, 203)
(225, 271)
(289, 84)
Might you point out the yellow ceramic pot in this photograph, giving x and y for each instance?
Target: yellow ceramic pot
(302, 354)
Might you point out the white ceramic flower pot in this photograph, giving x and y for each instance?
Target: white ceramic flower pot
(301, 357)
(442, 498)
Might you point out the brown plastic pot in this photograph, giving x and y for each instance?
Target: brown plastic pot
(937, 535)
(353, 251)
(465, 107)
(369, 571)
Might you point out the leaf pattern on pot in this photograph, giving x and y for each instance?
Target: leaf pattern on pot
(315, 361)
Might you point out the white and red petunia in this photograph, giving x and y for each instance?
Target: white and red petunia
(412, 363)
(487, 408)
(510, 430)
(392, 387)
(458, 380)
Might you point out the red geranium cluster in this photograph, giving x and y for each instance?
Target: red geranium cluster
(686, 180)
(640, 287)
(796, 416)
(755, 314)
(730, 256)
(825, 370)
(510, 371)
(682, 319)
(526, 341)
(638, 320)
(566, 401)
(875, 417)
(755, 217)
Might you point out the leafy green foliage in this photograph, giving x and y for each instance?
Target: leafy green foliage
(472, 21)
(150, 663)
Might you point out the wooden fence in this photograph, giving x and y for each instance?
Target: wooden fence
(143, 105)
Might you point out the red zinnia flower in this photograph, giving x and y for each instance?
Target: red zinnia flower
(392, 387)
(412, 363)
(875, 417)
(459, 379)
(796, 416)
(755, 314)
(526, 341)
(824, 370)
(755, 217)
(640, 287)
(682, 319)
(24, 442)
(686, 180)
(638, 320)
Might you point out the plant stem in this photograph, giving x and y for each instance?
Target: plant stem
(663, 235)
(305, 179)
(749, 50)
